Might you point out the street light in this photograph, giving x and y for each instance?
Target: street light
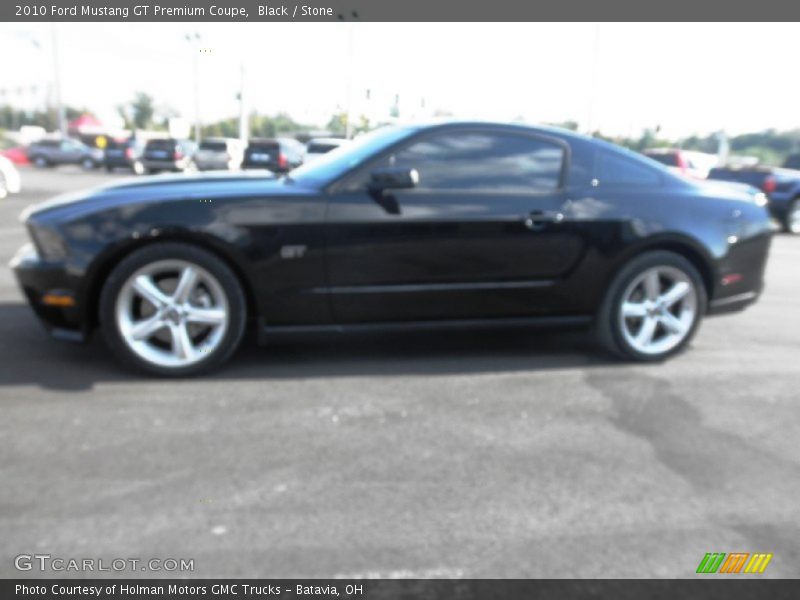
(194, 41)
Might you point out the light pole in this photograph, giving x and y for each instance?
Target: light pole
(243, 133)
(194, 42)
(348, 132)
(62, 120)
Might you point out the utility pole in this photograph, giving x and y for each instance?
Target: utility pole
(348, 132)
(243, 124)
(194, 42)
(60, 114)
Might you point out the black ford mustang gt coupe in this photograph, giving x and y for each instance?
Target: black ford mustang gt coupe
(456, 224)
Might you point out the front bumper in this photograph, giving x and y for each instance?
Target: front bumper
(741, 273)
(40, 281)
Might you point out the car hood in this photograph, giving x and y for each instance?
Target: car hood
(166, 188)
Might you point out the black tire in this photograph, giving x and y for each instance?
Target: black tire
(41, 162)
(152, 171)
(190, 253)
(88, 164)
(109, 169)
(786, 222)
(608, 325)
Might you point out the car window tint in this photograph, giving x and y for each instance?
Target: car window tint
(615, 169)
(484, 161)
(670, 160)
(213, 146)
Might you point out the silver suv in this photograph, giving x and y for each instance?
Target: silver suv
(54, 152)
(219, 153)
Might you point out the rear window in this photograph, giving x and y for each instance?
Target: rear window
(262, 146)
(793, 162)
(321, 148)
(214, 146)
(161, 145)
(618, 169)
(670, 160)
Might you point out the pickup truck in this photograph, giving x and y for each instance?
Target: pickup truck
(782, 187)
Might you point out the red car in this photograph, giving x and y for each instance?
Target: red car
(16, 155)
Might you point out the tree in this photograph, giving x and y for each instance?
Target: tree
(142, 110)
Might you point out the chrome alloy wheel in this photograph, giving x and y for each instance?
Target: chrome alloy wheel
(172, 313)
(658, 310)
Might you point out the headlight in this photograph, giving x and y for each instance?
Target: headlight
(760, 199)
(48, 242)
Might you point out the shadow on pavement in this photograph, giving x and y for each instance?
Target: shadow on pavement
(30, 357)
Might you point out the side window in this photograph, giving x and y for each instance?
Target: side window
(469, 160)
(616, 169)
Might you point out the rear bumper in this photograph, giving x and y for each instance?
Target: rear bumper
(165, 165)
(39, 279)
(213, 165)
(779, 204)
(119, 162)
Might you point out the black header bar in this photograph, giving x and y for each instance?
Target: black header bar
(395, 10)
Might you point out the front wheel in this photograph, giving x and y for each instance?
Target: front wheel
(791, 222)
(88, 164)
(172, 309)
(652, 308)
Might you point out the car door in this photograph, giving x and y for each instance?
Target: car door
(479, 236)
(71, 151)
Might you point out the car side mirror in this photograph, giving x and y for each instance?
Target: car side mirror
(393, 178)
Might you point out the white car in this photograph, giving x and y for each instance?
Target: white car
(316, 147)
(9, 178)
(219, 153)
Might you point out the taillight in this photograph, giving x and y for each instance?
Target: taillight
(769, 184)
(128, 152)
(281, 160)
(177, 155)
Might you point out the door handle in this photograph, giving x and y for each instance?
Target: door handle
(538, 219)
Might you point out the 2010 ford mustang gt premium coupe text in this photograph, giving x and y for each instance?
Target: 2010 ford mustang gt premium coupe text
(455, 224)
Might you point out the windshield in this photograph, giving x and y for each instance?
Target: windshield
(335, 163)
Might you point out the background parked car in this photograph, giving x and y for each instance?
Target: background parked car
(792, 162)
(684, 162)
(219, 153)
(278, 155)
(782, 187)
(125, 154)
(167, 154)
(316, 147)
(9, 178)
(57, 151)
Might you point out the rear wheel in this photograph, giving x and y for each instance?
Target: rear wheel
(41, 162)
(791, 222)
(88, 164)
(172, 309)
(652, 308)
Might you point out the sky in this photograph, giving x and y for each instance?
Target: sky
(618, 78)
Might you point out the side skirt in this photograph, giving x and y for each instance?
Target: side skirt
(268, 332)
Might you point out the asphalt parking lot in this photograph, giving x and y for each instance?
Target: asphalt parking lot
(458, 455)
